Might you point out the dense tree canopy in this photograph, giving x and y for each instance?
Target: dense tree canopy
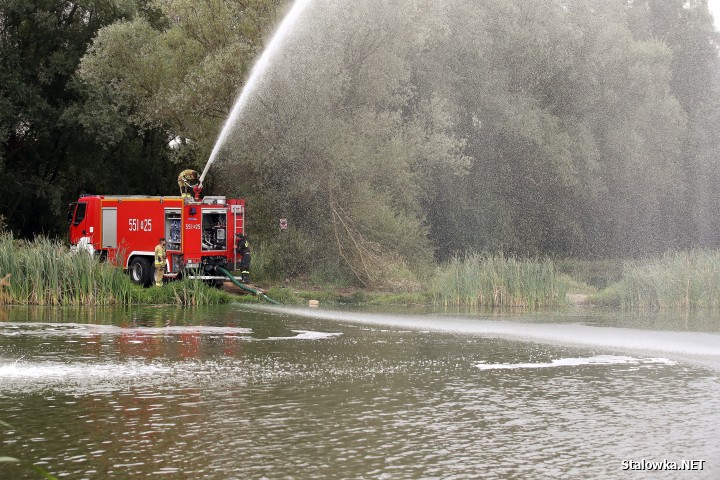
(59, 137)
(386, 132)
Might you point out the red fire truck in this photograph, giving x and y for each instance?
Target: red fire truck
(124, 230)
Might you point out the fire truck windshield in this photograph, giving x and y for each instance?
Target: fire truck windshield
(76, 213)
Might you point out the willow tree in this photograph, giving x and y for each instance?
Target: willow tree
(337, 141)
(181, 67)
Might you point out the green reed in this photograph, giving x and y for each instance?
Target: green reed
(675, 280)
(46, 272)
(185, 293)
(498, 281)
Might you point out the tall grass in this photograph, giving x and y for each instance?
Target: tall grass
(186, 293)
(497, 281)
(675, 280)
(45, 272)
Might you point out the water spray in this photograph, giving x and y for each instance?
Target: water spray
(255, 75)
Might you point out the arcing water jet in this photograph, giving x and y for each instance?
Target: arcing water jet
(256, 74)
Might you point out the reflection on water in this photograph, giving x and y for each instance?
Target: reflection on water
(232, 392)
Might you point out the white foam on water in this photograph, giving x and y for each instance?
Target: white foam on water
(575, 362)
(200, 330)
(694, 346)
(69, 371)
(67, 329)
(307, 335)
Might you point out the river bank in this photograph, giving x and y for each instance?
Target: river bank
(46, 272)
(678, 281)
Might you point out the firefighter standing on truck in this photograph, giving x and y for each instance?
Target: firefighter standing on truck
(186, 181)
(160, 256)
(243, 248)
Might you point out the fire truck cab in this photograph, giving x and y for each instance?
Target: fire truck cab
(124, 230)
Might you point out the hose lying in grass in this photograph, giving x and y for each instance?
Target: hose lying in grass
(245, 287)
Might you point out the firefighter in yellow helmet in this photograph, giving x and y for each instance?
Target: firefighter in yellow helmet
(186, 181)
(160, 256)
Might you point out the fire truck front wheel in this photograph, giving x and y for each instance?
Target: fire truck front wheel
(141, 271)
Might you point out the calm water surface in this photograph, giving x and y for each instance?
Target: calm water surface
(237, 392)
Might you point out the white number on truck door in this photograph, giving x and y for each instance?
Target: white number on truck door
(136, 225)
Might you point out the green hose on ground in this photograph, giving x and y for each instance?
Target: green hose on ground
(232, 278)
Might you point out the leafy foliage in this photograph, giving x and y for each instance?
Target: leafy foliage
(58, 137)
(387, 133)
(181, 68)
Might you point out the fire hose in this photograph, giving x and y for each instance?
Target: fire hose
(242, 286)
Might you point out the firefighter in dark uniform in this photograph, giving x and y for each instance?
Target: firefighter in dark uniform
(186, 181)
(242, 247)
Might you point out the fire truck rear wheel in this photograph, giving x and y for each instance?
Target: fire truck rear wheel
(141, 271)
